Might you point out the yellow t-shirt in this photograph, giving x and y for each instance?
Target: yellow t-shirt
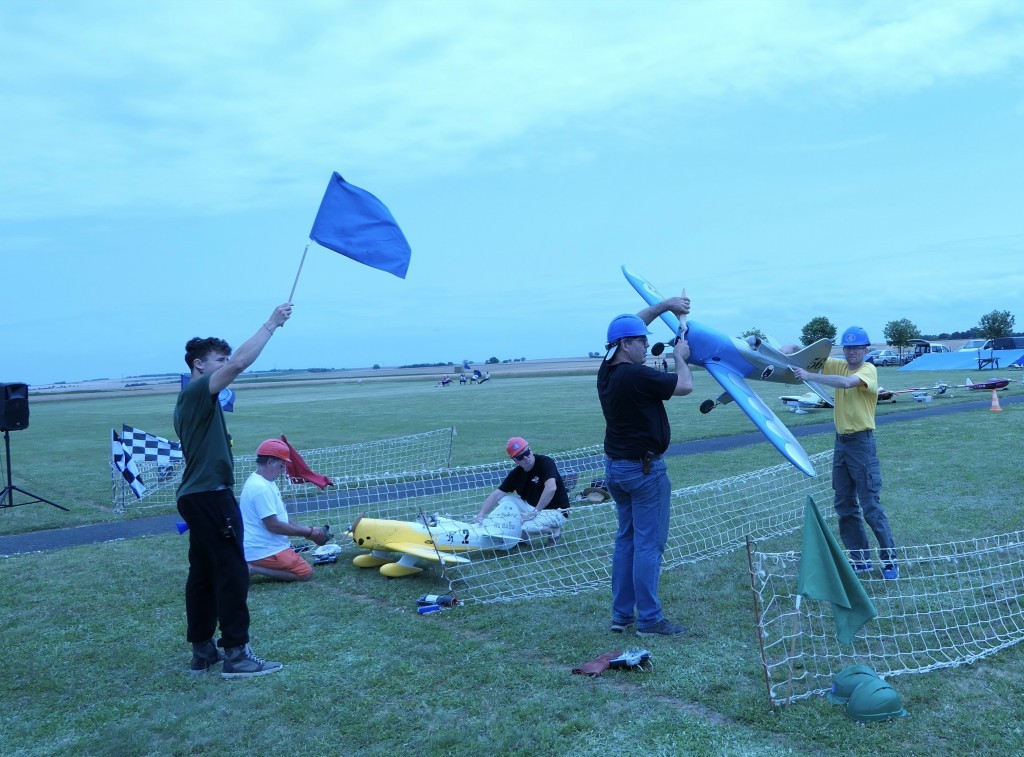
(855, 408)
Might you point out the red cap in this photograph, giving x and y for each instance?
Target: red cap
(275, 448)
(516, 445)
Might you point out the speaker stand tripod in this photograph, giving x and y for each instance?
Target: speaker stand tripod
(7, 495)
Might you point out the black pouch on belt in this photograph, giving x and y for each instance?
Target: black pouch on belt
(648, 459)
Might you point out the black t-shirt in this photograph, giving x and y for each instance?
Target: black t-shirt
(633, 401)
(530, 484)
(205, 442)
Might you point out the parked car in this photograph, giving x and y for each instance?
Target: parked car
(882, 357)
(973, 345)
(923, 347)
(1008, 343)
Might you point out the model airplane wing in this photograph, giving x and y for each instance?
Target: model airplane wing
(766, 421)
(425, 553)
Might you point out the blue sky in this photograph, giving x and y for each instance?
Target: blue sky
(163, 162)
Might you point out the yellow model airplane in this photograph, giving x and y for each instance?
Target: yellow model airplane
(437, 539)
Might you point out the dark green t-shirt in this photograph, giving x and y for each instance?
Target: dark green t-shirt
(199, 423)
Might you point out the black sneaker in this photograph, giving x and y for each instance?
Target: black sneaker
(204, 657)
(240, 662)
(619, 626)
(662, 628)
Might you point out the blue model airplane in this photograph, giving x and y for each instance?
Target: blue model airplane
(732, 361)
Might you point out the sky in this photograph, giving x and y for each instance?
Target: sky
(162, 164)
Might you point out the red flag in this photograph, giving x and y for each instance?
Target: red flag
(299, 472)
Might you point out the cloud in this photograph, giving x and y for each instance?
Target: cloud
(193, 107)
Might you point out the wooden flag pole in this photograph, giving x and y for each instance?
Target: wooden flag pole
(298, 272)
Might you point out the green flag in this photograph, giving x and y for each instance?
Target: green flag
(826, 575)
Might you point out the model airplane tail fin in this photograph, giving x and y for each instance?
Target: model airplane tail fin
(506, 518)
(812, 357)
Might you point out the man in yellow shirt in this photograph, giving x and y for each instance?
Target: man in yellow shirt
(856, 472)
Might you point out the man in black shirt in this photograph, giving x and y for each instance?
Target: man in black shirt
(637, 434)
(541, 496)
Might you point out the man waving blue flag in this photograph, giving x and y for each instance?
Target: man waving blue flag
(359, 226)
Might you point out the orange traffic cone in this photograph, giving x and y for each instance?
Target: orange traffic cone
(995, 402)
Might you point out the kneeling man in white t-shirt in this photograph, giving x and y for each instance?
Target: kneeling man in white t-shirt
(265, 520)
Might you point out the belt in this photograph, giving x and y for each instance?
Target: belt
(855, 434)
(632, 459)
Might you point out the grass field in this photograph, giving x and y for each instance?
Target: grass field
(94, 635)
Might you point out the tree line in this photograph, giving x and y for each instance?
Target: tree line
(998, 323)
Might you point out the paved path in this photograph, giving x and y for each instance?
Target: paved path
(40, 541)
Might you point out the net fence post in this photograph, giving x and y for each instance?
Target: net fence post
(758, 625)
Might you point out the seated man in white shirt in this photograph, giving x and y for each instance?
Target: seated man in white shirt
(265, 520)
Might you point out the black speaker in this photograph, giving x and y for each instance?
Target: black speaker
(13, 407)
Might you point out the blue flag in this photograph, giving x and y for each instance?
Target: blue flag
(226, 398)
(359, 226)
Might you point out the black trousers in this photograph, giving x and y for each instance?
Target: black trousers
(217, 589)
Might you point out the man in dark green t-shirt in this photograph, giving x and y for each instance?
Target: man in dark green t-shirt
(218, 576)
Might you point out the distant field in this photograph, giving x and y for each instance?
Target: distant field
(142, 385)
(64, 454)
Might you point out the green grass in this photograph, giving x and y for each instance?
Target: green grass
(95, 656)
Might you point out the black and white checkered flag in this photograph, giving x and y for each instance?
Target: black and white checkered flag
(149, 448)
(124, 463)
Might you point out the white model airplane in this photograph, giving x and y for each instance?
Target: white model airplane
(437, 539)
(803, 403)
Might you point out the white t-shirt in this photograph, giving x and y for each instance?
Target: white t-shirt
(261, 498)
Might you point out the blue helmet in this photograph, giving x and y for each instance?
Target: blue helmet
(626, 325)
(855, 336)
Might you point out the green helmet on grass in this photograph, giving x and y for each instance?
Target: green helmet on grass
(847, 680)
(873, 701)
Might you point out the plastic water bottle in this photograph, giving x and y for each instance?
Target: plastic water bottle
(442, 600)
(424, 609)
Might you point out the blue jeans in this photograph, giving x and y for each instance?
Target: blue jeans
(857, 481)
(643, 507)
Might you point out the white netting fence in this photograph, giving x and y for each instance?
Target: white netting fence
(348, 466)
(952, 604)
(456, 492)
(707, 520)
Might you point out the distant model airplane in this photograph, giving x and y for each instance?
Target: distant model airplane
(435, 539)
(922, 393)
(1000, 383)
(801, 403)
(731, 361)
